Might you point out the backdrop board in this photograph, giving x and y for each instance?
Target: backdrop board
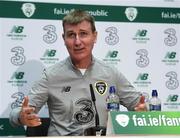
(140, 38)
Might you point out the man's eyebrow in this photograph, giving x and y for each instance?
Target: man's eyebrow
(84, 30)
(81, 30)
(70, 31)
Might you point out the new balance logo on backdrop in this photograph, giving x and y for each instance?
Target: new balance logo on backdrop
(172, 98)
(142, 80)
(170, 58)
(112, 54)
(172, 102)
(17, 79)
(49, 53)
(141, 36)
(18, 75)
(17, 33)
(112, 57)
(141, 33)
(143, 76)
(49, 56)
(170, 55)
(17, 29)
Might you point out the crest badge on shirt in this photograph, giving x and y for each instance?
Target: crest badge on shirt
(101, 87)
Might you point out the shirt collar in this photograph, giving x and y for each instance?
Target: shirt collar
(72, 65)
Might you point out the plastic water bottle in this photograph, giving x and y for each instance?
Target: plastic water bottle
(154, 102)
(112, 100)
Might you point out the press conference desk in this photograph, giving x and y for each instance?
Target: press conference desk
(135, 125)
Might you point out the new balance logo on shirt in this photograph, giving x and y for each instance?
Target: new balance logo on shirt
(66, 89)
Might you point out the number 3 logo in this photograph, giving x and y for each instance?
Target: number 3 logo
(86, 113)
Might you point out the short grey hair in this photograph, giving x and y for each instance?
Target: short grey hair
(77, 16)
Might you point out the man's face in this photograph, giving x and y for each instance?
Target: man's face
(79, 40)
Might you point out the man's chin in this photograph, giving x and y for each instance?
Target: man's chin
(79, 56)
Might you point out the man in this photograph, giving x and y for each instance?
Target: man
(65, 86)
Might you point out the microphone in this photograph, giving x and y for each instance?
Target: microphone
(97, 130)
(94, 102)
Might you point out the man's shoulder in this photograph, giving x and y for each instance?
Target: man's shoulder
(58, 66)
(104, 67)
(103, 64)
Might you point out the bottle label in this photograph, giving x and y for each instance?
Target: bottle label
(155, 107)
(113, 106)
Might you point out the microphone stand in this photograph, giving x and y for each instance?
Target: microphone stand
(97, 130)
(94, 102)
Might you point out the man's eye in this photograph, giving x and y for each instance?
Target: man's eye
(83, 34)
(71, 35)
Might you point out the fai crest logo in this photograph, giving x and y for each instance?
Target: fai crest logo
(28, 9)
(101, 87)
(122, 120)
(131, 13)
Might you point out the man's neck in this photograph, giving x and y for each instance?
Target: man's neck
(83, 64)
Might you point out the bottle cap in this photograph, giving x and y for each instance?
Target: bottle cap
(112, 89)
(154, 93)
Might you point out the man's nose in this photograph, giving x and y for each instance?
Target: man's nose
(77, 40)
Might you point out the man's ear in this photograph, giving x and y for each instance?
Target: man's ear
(63, 36)
(95, 36)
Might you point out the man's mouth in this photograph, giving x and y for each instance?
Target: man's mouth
(79, 50)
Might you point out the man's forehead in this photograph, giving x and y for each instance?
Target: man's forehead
(77, 27)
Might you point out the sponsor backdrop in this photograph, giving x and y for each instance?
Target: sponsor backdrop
(141, 39)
